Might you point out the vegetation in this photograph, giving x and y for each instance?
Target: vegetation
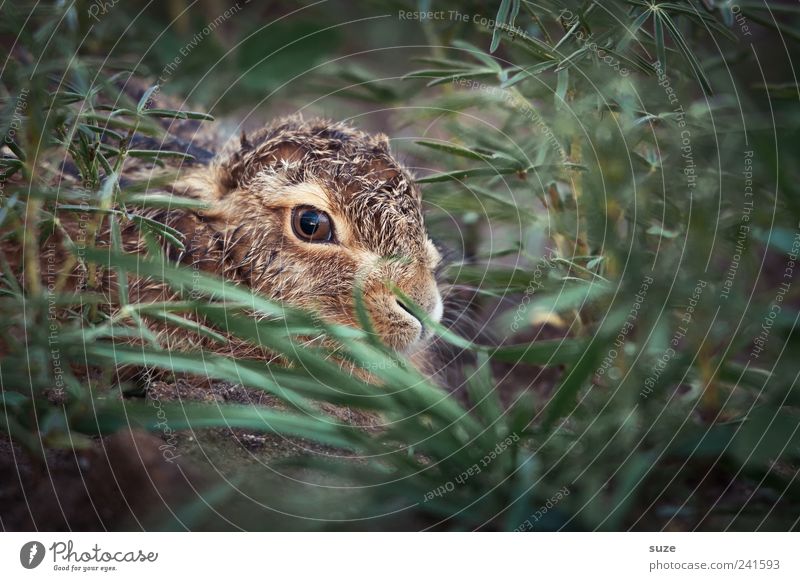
(621, 172)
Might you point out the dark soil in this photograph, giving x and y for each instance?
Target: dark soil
(116, 483)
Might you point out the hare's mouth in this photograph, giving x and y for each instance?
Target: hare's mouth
(404, 305)
(405, 332)
(406, 308)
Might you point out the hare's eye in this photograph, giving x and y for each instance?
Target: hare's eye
(312, 225)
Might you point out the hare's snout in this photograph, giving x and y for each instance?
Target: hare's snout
(433, 313)
(400, 328)
(394, 320)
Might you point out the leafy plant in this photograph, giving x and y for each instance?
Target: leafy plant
(615, 139)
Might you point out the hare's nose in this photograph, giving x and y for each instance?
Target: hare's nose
(433, 309)
(403, 306)
(409, 314)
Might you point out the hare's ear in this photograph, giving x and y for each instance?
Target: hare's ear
(381, 141)
(382, 170)
(381, 166)
(245, 162)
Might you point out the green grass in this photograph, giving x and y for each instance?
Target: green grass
(673, 420)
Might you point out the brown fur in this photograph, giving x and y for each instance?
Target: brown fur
(245, 234)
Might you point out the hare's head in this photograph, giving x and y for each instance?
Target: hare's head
(316, 209)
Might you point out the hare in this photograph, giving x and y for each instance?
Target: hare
(302, 212)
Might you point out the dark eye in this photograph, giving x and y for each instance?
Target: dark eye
(312, 225)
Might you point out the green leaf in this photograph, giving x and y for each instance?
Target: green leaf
(561, 88)
(661, 52)
(12, 399)
(467, 174)
(168, 201)
(172, 235)
(564, 397)
(632, 30)
(156, 154)
(102, 131)
(478, 54)
(122, 276)
(483, 393)
(781, 239)
(436, 73)
(105, 418)
(550, 352)
(527, 73)
(501, 18)
(142, 104)
(517, 210)
(453, 149)
(188, 324)
(173, 114)
(687, 52)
